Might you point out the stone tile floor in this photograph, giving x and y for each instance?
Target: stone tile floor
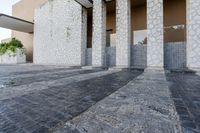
(144, 105)
(42, 99)
(185, 89)
(42, 110)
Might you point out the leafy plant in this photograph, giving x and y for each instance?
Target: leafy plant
(3, 48)
(16, 43)
(10, 47)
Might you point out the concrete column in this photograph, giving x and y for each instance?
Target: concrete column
(193, 34)
(123, 33)
(99, 33)
(84, 36)
(155, 38)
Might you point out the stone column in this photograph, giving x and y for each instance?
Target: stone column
(84, 36)
(99, 33)
(155, 38)
(193, 34)
(123, 33)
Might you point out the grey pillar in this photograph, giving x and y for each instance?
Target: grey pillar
(99, 33)
(84, 36)
(193, 34)
(123, 33)
(155, 38)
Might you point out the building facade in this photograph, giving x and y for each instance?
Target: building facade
(25, 9)
(116, 33)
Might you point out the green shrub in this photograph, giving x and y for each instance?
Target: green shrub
(15, 43)
(10, 47)
(3, 48)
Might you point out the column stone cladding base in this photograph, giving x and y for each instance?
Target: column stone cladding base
(152, 69)
(193, 35)
(59, 33)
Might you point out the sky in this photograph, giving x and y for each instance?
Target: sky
(6, 8)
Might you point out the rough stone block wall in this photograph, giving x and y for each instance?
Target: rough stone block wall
(123, 33)
(139, 56)
(175, 55)
(99, 33)
(155, 48)
(110, 59)
(58, 33)
(89, 57)
(111, 56)
(84, 36)
(193, 34)
(17, 58)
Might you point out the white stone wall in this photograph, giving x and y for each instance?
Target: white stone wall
(99, 33)
(123, 33)
(193, 34)
(17, 58)
(59, 36)
(155, 56)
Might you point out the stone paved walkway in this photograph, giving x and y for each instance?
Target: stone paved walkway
(144, 105)
(185, 90)
(43, 99)
(43, 110)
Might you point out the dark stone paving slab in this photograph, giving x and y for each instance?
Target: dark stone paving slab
(185, 89)
(19, 69)
(9, 92)
(34, 72)
(10, 82)
(44, 110)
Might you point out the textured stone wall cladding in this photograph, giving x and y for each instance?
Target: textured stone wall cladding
(193, 33)
(123, 33)
(17, 58)
(84, 36)
(175, 55)
(99, 33)
(139, 56)
(111, 56)
(155, 56)
(58, 36)
(89, 57)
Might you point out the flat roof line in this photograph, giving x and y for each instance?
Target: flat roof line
(14, 23)
(1, 14)
(85, 3)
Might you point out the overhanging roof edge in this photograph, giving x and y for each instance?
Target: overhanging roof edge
(1, 14)
(17, 24)
(88, 5)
